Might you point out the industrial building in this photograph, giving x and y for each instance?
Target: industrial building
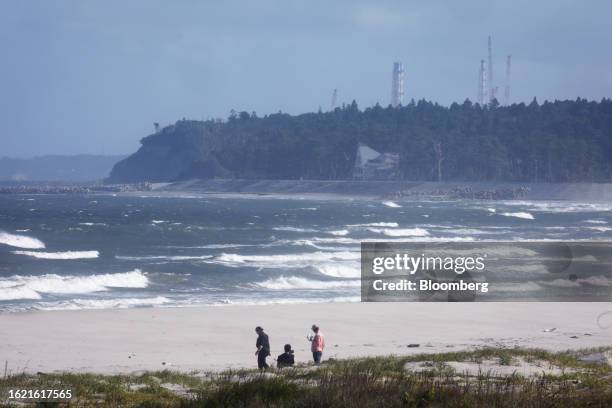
(373, 165)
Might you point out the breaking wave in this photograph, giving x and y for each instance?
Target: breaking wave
(164, 257)
(294, 282)
(283, 260)
(596, 221)
(403, 232)
(561, 206)
(469, 231)
(17, 292)
(214, 246)
(391, 204)
(339, 271)
(293, 229)
(20, 241)
(357, 241)
(30, 287)
(600, 229)
(60, 255)
(312, 244)
(376, 224)
(523, 215)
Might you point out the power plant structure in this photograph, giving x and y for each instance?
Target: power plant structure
(334, 100)
(487, 91)
(492, 90)
(397, 84)
(482, 85)
(507, 88)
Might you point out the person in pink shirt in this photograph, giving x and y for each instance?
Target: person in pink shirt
(317, 344)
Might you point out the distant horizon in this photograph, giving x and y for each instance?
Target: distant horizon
(40, 156)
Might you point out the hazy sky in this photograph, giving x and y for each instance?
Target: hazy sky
(92, 76)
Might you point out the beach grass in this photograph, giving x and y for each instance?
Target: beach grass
(420, 380)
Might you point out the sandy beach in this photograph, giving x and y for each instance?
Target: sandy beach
(220, 337)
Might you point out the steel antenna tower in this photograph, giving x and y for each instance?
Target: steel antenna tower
(507, 89)
(397, 84)
(482, 84)
(334, 99)
(490, 67)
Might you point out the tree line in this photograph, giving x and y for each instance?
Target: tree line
(560, 141)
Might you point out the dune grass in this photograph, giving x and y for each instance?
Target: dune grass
(368, 382)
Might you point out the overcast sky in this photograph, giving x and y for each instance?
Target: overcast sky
(92, 76)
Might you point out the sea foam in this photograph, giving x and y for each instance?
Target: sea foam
(600, 229)
(20, 241)
(403, 232)
(295, 282)
(164, 257)
(596, 221)
(17, 292)
(338, 264)
(294, 229)
(119, 303)
(339, 271)
(60, 255)
(391, 204)
(376, 224)
(523, 215)
(283, 260)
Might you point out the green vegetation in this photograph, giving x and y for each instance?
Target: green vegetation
(561, 141)
(370, 382)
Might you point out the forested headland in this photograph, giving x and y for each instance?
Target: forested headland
(561, 141)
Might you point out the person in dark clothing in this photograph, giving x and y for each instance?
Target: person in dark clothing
(286, 359)
(263, 348)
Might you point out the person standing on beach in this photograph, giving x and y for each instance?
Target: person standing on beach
(263, 348)
(317, 344)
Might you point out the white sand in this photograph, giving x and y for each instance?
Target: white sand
(494, 368)
(218, 337)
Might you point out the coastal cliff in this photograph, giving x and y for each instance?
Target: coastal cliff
(179, 151)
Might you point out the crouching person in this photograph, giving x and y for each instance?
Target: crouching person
(286, 359)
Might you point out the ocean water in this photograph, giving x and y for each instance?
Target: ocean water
(106, 251)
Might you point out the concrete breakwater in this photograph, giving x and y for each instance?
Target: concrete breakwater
(400, 189)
